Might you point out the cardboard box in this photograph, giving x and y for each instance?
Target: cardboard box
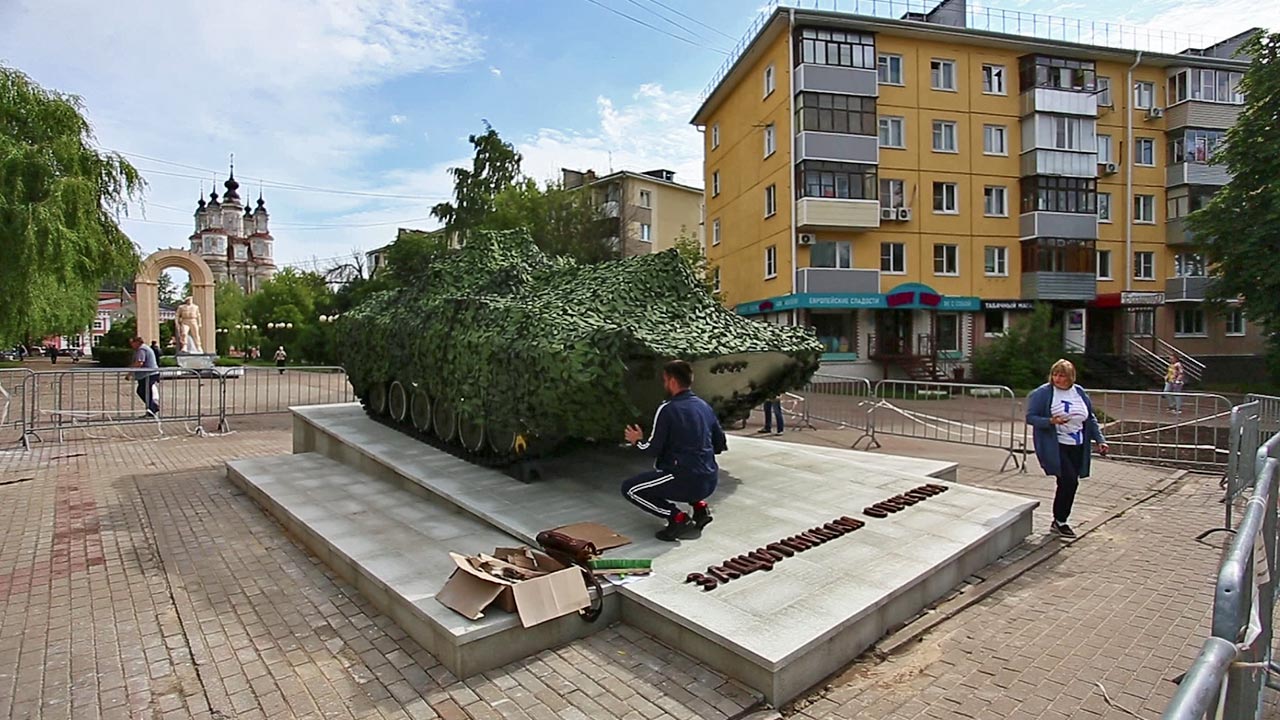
(548, 591)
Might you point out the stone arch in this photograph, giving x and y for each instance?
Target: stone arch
(148, 293)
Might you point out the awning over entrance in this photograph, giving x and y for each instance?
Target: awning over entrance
(1128, 299)
(908, 296)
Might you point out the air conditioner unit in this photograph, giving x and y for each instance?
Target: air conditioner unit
(888, 213)
(1108, 168)
(1155, 113)
(807, 239)
(904, 214)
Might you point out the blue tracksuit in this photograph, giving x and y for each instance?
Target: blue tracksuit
(685, 440)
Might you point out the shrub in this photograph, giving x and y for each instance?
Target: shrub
(113, 356)
(1023, 355)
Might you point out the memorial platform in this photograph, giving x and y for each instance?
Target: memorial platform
(385, 509)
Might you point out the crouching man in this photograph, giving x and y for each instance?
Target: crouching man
(685, 440)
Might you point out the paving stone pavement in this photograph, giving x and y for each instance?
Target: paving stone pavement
(136, 582)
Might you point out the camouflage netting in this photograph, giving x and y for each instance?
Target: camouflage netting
(549, 348)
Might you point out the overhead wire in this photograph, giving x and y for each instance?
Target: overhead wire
(690, 18)
(655, 28)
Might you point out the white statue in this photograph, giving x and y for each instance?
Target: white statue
(188, 327)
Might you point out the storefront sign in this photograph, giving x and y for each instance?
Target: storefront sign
(906, 297)
(1008, 305)
(1141, 298)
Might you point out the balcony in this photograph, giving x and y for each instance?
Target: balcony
(1177, 233)
(1059, 286)
(1083, 226)
(1060, 102)
(1042, 161)
(1194, 113)
(1195, 173)
(830, 78)
(837, 280)
(839, 147)
(1186, 289)
(837, 214)
(1059, 269)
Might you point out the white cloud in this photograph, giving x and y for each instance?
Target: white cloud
(496, 72)
(399, 119)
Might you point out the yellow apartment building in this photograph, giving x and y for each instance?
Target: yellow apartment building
(908, 186)
(652, 210)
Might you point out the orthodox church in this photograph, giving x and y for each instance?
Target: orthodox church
(234, 239)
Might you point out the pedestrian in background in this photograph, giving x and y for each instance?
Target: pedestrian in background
(1173, 381)
(1062, 415)
(281, 358)
(147, 375)
(772, 410)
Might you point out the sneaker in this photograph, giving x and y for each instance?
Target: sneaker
(677, 530)
(1063, 529)
(702, 515)
(763, 431)
(778, 433)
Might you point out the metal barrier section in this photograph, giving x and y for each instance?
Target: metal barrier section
(1187, 429)
(260, 390)
(981, 415)
(837, 401)
(1268, 414)
(13, 404)
(81, 399)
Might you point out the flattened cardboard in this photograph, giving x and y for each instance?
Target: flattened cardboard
(602, 537)
(469, 591)
(550, 596)
(559, 591)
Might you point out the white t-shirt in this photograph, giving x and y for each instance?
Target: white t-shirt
(1070, 404)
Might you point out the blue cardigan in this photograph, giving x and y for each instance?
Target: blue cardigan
(1045, 437)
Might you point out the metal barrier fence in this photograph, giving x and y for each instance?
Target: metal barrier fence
(1190, 430)
(1228, 677)
(839, 401)
(54, 402)
(1268, 413)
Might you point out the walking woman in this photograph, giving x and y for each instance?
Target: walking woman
(1062, 415)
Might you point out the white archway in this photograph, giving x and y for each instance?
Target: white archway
(148, 294)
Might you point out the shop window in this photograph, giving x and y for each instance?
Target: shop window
(993, 323)
(948, 339)
(836, 331)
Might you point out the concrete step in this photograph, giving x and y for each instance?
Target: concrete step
(393, 545)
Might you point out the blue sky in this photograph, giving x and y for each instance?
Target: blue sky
(377, 97)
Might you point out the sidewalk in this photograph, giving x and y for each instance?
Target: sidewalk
(135, 581)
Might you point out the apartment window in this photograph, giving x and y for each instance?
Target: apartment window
(993, 79)
(771, 262)
(1188, 265)
(1104, 264)
(1104, 91)
(1144, 95)
(646, 232)
(715, 136)
(1195, 146)
(843, 181)
(715, 231)
(97, 340)
(1042, 71)
(944, 198)
(1068, 133)
(827, 112)
(944, 136)
(942, 74)
(1188, 321)
(1142, 323)
(993, 323)
(1235, 321)
(768, 81)
(1144, 208)
(836, 47)
(995, 201)
(770, 139)
(1144, 152)
(946, 259)
(832, 255)
(1220, 86)
(646, 199)
(995, 140)
(995, 260)
(1052, 193)
(1144, 266)
(893, 258)
(715, 279)
(893, 193)
(715, 183)
(1104, 149)
(97, 324)
(891, 132)
(1059, 255)
(1104, 207)
(889, 69)
(770, 200)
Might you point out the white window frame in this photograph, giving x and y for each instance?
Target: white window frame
(770, 139)
(1103, 91)
(954, 208)
(715, 136)
(1144, 265)
(771, 201)
(1004, 323)
(715, 231)
(938, 75)
(901, 257)
(843, 261)
(715, 279)
(715, 183)
(646, 198)
(994, 79)
(1143, 203)
(990, 135)
(646, 232)
(885, 61)
(770, 82)
(1179, 325)
(1098, 256)
(1104, 218)
(940, 128)
(1144, 95)
(1227, 322)
(950, 256)
(1109, 156)
(1149, 144)
(995, 261)
(1068, 132)
(771, 262)
(887, 124)
(902, 195)
(997, 195)
(1189, 264)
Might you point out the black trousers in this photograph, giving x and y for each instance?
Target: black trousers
(1070, 458)
(147, 392)
(653, 491)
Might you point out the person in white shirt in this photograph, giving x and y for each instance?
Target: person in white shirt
(1062, 415)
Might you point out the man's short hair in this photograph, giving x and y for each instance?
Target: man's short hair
(137, 339)
(680, 371)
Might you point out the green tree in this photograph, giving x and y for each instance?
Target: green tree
(561, 222)
(1238, 232)
(690, 250)
(494, 168)
(289, 297)
(1021, 358)
(59, 198)
(166, 290)
(410, 255)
